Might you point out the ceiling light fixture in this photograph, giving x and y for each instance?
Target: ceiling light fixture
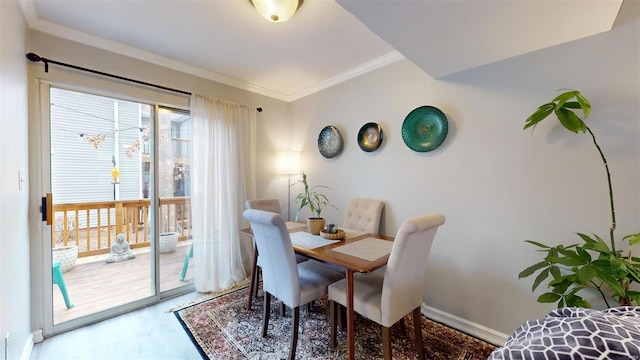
(276, 10)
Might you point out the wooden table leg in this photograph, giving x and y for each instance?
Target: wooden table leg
(350, 317)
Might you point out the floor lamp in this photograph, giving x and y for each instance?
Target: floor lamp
(289, 164)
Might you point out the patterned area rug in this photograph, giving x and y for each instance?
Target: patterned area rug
(222, 328)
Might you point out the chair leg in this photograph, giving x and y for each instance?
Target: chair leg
(386, 342)
(186, 263)
(294, 332)
(332, 323)
(256, 282)
(58, 279)
(253, 285)
(265, 313)
(283, 310)
(403, 326)
(342, 316)
(417, 329)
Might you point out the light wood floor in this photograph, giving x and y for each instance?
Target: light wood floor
(94, 285)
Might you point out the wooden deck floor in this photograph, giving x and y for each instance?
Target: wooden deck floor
(94, 285)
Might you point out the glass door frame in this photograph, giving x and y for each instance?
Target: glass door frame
(44, 293)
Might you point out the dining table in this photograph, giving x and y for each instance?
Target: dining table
(356, 252)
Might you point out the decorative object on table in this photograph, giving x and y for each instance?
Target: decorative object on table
(330, 141)
(370, 137)
(425, 128)
(338, 234)
(315, 201)
(120, 250)
(593, 264)
(67, 255)
(168, 242)
(331, 229)
(226, 337)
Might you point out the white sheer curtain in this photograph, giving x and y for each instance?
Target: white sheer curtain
(223, 177)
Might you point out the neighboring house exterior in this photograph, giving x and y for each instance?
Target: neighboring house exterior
(91, 134)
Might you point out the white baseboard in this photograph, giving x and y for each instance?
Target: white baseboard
(466, 326)
(27, 348)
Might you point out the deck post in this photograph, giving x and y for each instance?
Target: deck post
(118, 217)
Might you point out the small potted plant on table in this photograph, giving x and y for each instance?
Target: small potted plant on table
(315, 201)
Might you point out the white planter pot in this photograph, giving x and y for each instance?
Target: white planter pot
(67, 255)
(168, 242)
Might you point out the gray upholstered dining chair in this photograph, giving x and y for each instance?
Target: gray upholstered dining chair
(386, 298)
(270, 205)
(363, 215)
(295, 284)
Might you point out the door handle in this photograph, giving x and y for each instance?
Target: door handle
(46, 208)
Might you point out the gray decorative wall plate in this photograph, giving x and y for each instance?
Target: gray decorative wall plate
(370, 137)
(330, 141)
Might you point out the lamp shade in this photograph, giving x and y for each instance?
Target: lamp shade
(276, 10)
(289, 162)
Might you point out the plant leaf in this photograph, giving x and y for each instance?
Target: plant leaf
(538, 244)
(584, 104)
(561, 99)
(548, 297)
(611, 281)
(586, 273)
(577, 301)
(539, 279)
(567, 261)
(531, 269)
(572, 105)
(633, 239)
(540, 114)
(570, 120)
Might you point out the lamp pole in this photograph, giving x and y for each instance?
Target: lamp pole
(289, 164)
(289, 198)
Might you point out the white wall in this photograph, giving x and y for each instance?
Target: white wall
(14, 237)
(496, 184)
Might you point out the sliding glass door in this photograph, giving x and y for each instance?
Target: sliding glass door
(119, 205)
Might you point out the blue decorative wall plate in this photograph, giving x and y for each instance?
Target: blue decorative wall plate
(330, 141)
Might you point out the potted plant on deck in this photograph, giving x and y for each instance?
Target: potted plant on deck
(63, 251)
(315, 201)
(593, 263)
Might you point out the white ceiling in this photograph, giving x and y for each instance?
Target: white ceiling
(326, 42)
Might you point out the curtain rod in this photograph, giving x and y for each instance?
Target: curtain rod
(35, 58)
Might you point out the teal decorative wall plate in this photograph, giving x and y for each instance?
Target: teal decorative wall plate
(424, 129)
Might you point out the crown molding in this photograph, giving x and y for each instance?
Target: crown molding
(369, 66)
(36, 23)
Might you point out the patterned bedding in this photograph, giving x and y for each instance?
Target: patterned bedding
(576, 334)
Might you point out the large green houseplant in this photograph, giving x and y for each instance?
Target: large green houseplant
(316, 201)
(592, 263)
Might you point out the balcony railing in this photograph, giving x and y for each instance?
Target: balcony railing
(93, 226)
